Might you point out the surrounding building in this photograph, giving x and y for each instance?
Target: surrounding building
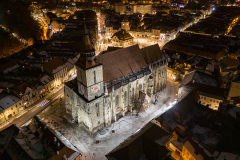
(57, 69)
(122, 38)
(147, 143)
(10, 106)
(36, 141)
(210, 94)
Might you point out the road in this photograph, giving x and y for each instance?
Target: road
(36, 109)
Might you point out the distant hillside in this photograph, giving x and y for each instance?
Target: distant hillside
(15, 16)
(9, 44)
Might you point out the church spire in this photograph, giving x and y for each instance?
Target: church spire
(87, 57)
(87, 48)
(85, 28)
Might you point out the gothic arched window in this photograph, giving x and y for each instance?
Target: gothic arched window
(132, 93)
(94, 74)
(117, 101)
(140, 87)
(125, 97)
(97, 109)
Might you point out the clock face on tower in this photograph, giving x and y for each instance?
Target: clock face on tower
(82, 89)
(95, 88)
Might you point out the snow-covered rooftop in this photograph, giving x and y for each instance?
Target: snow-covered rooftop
(39, 87)
(46, 79)
(199, 77)
(58, 69)
(69, 65)
(227, 156)
(8, 101)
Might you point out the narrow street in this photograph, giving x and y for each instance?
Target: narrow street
(19, 120)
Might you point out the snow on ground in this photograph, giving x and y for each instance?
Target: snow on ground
(123, 128)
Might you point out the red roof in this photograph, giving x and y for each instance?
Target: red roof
(53, 64)
(121, 62)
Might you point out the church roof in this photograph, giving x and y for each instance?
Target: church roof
(122, 35)
(121, 62)
(87, 45)
(152, 53)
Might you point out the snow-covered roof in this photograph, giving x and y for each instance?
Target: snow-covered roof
(32, 153)
(72, 61)
(58, 69)
(8, 101)
(60, 137)
(46, 79)
(69, 65)
(227, 156)
(199, 77)
(39, 87)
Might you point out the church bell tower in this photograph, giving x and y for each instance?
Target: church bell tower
(89, 71)
(125, 24)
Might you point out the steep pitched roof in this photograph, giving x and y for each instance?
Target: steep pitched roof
(122, 35)
(207, 90)
(152, 53)
(121, 62)
(7, 101)
(9, 64)
(21, 88)
(194, 51)
(197, 149)
(199, 77)
(53, 64)
(87, 45)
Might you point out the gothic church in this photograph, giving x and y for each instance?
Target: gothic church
(107, 83)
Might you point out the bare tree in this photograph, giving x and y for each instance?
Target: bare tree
(138, 104)
(156, 94)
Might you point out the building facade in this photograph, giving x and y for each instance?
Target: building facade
(107, 85)
(10, 106)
